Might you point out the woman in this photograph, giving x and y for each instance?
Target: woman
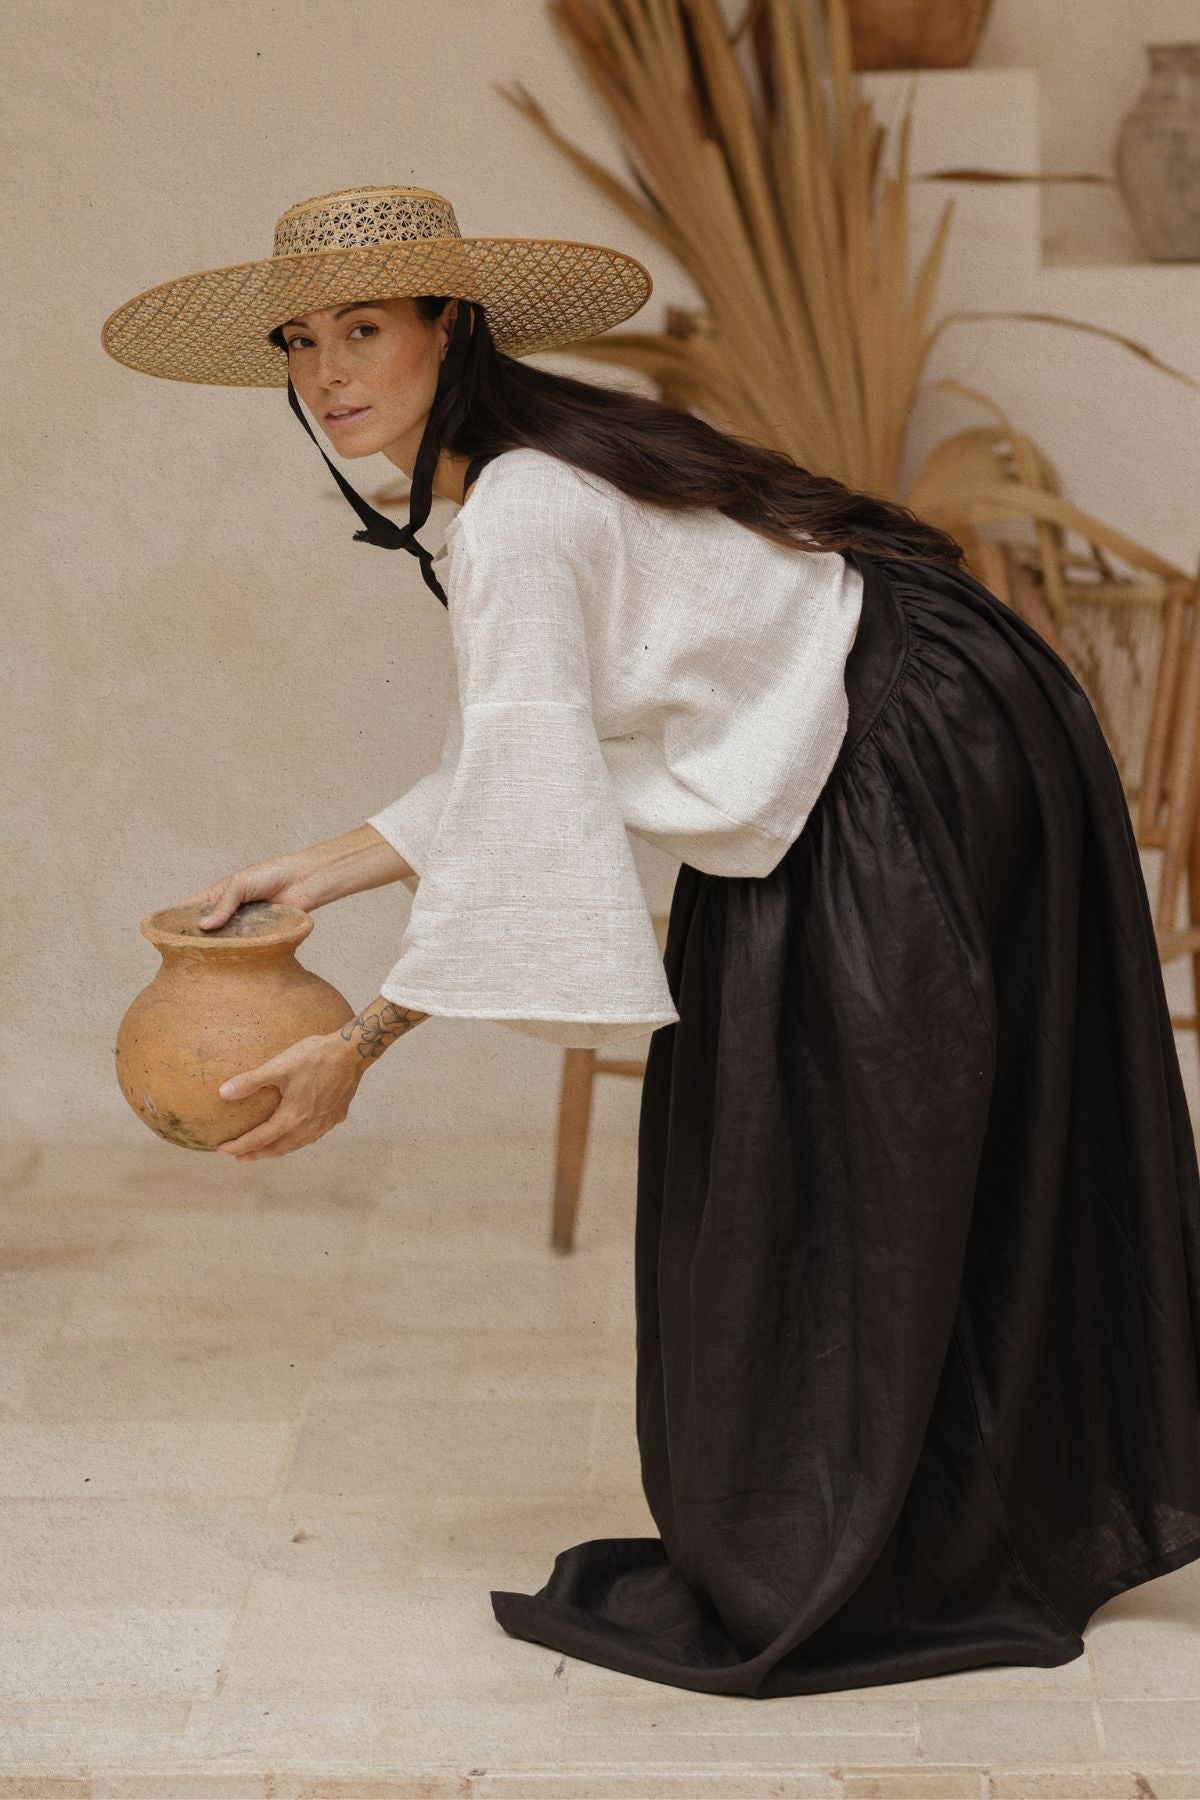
(917, 1255)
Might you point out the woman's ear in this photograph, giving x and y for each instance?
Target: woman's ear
(446, 322)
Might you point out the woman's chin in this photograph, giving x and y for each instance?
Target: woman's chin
(357, 437)
(356, 443)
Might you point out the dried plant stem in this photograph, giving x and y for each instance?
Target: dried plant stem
(775, 200)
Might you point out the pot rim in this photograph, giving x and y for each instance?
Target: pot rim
(178, 928)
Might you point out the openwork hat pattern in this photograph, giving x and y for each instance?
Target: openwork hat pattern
(363, 216)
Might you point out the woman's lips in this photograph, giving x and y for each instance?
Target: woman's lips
(348, 418)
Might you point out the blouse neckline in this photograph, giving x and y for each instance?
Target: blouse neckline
(473, 495)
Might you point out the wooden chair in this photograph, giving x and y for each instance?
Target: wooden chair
(580, 1069)
(1134, 647)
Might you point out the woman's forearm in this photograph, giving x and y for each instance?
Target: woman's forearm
(352, 863)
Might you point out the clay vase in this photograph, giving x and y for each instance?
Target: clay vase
(1158, 155)
(221, 1003)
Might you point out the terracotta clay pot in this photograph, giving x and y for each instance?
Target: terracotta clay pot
(915, 34)
(221, 1003)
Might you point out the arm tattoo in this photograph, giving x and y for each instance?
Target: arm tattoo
(377, 1027)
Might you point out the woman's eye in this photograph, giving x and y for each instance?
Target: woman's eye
(296, 342)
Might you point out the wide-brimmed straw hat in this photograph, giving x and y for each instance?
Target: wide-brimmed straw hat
(370, 243)
(374, 243)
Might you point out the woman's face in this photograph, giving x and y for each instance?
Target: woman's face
(377, 360)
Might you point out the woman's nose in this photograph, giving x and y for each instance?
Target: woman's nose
(330, 370)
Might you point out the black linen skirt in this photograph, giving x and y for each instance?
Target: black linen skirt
(917, 1251)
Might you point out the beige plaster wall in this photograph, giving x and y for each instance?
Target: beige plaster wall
(1091, 63)
(202, 666)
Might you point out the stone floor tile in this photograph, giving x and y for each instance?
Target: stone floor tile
(20, 1354)
(48, 1717)
(802, 1720)
(431, 1446)
(110, 1459)
(512, 1543)
(392, 1293)
(1152, 1660)
(717, 1783)
(110, 1652)
(185, 1271)
(176, 1784)
(559, 1364)
(1099, 1781)
(81, 1377)
(613, 1465)
(411, 1640)
(1002, 1682)
(954, 1783)
(46, 1787)
(234, 1307)
(1007, 1731)
(481, 1734)
(375, 1736)
(1152, 1730)
(1144, 1642)
(20, 1159)
(196, 1550)
(331, 1537)
(651, 1749)
(69, 1734)
(34, 1301)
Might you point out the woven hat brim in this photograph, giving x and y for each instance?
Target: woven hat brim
(211, 327)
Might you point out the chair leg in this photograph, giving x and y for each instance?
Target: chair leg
(1193, 891)
(574, 1112)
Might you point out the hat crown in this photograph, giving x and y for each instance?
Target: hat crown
(363, 215)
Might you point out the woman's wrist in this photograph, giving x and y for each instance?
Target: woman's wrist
(372, 1031)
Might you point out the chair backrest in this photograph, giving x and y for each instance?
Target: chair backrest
(1134, 647)
(1169, 797)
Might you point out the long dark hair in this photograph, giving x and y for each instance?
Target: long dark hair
(660, 453)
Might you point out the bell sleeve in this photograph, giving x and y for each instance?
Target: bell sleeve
(529, 909)
(409, 823)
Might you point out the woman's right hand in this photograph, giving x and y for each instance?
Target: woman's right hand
(287, 879)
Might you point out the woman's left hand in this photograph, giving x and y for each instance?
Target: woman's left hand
(317, 1079)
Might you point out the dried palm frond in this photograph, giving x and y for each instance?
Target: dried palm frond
(777, 204)
(995, 473)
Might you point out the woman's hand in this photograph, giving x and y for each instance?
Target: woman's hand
(317, 1079)
(291, 880)
(348, 864)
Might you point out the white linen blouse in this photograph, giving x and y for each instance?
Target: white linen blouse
(621, 667)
